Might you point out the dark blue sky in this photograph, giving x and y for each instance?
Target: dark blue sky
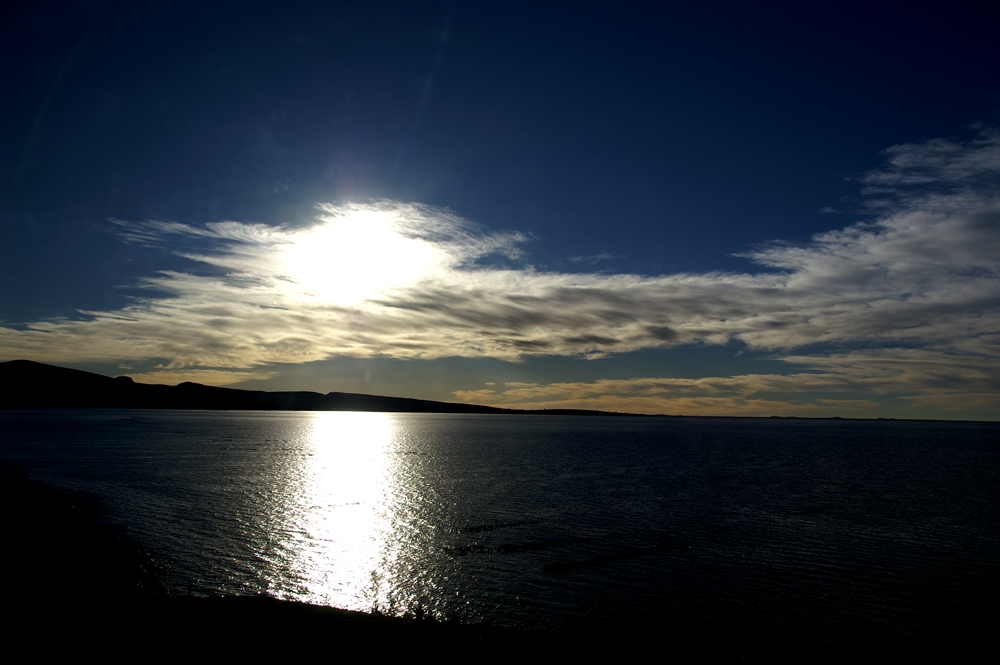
(641, 140)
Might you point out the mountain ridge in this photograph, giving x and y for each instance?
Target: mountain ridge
(26, 384)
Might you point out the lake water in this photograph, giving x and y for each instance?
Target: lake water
(845, 530)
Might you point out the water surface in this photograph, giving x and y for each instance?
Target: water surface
(835, 528)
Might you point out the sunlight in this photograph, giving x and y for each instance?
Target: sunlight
(353, 257)
(340, 531)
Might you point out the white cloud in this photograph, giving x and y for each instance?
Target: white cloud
(411, 281)
(204, 376)
(594, 259)
(742, 395)
(940, 163)
(826, 387)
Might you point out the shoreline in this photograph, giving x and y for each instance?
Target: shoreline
(82, 587)
(31, 385)
(78, 585)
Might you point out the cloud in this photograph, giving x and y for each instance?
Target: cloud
(204, 376)
(409, 281)
(940, 163)
(594, 259)
(917, 376)
(733, 396)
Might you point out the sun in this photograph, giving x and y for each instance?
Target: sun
(357, 256)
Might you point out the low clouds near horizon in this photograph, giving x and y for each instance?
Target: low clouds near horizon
(905, 305)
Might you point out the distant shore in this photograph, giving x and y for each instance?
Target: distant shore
(29, 385)
(25, 384)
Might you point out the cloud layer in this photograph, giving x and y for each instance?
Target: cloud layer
(908, 302)
(841, 384)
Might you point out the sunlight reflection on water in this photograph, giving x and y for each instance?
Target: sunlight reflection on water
(339, 536)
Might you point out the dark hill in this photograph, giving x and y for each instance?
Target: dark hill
(25, 384)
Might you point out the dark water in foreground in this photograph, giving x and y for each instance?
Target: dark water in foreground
(849, 531)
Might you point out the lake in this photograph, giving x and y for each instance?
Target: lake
(849, 531)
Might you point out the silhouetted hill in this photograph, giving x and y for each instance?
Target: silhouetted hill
(25, 384)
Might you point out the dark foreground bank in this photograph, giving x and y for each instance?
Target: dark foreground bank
(75, 585)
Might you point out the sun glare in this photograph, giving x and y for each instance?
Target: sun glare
(341, 530)
(350, 258)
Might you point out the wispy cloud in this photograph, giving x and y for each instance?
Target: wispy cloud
(940, 163)
(594, 259)
(210, 377)
(411, 281)
(914, 375)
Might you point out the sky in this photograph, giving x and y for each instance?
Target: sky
(711, 208)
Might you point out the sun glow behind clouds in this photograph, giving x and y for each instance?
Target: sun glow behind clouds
(358, 254)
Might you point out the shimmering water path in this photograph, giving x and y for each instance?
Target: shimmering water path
(885, 530)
